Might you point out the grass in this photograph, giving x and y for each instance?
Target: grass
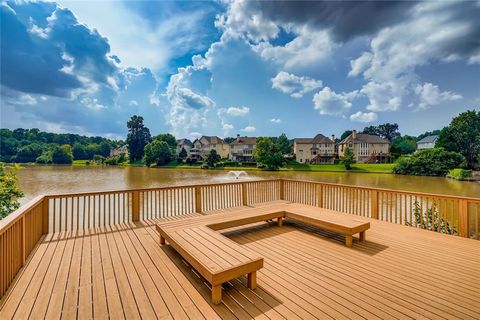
(357, 167)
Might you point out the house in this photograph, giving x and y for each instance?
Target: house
(367, 148)
(185, 144)
(116, 152)
(427, 143)
(202, 146)
(241, 149)
(318, 149)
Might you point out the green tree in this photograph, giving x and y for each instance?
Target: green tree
(62, 155)
(29, 153)
(428, 133)
(229, 139)
(371, 130)
(105, 149)
(463, 136)
(429, 162)
(283, 144)
(403, 145)
(80, 152)
(212, 158)
(168, 138)
(345, 134)
(137, 138)
(348, 158)
(267, 153)
(157, 152)
(387, 131)
(182, 154)
(10, 193)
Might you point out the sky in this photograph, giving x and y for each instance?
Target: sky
(256, 68)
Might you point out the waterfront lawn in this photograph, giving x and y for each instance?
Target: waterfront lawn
(357, 167)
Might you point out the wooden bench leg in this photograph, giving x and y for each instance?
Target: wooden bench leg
(280, 221)
(363, 236)
(216, 294)
(348, 241)
(162, 240)
(252, 280)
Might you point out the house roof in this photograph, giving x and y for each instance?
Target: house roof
(429, 139)
(244, 140)
(210, 139)
(319, 138)
(365, 138)
(184, 142)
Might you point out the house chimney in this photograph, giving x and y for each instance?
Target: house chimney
(354, 134)
(333, 137)
(238, 136)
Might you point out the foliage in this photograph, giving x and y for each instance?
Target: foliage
(428, 133)
(403, 145)
(137, 138)
(182, 154)
(460, 174)
(157, 152)
(212, 158)
(345, 134)
(430, 219)
(62, 155)
(387, 131)
(10, 193)
(168, 138)
(99, 159)
(283, 144)
(463, 136)
(267, 153)
(348, 158)
(204, 166)
(29, 153)
(229, 139)
(429, 162)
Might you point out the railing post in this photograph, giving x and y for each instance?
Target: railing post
(374, 204)
(135, 206)
(244, 194)
(198, 199)
(320, 195)
(45, 214)
(282, 189)
(463, 219)
(23, 241)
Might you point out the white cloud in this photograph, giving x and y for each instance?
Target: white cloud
(133, 103)
(249, 129)
(385, 96)
(227, 126)
(275, 120)
(92, 103)
(294, 85)
(238, 112)
(360, 64)
(329, 102)
(364, 117)
(430, 95)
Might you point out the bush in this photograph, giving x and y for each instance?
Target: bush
(98, 158)
(157, 152)
(204, 166)
(44, 158)
(112, 161)
(10, 195)
(261, 166)
(61, 155)
(460, 174)
(429, 162)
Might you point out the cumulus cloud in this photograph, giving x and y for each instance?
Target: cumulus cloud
(227, 127)
(385, 96)
(364, 116)
(430, 95)
(329, 102)
(294, 85)
(249, 129)
(237, 112)
(276, 120)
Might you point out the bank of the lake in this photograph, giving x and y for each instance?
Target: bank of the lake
(35, 180)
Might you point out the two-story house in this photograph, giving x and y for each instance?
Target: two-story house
(202, 146)
(241, 149)
(318, 149)
(122, 150)
(427, 143)
(367, 148)
(185, 144)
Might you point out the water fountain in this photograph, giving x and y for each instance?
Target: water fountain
(237, 174)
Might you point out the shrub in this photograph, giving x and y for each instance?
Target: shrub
(10, 192)
(348, 158)
(157, 152)
(430, 219)
(112, 161)
(62, 155)
(261, 166)
(429, 162)
(460, 174)
(204, 166)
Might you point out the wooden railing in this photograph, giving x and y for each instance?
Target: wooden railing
(20, 231)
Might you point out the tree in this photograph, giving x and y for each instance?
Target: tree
(80, 152)
(345, 134)
(157, 152)
(403, 145)
(105, 149)
(463, 136)
(387, 131)
(429, 162)
(267, 153)
(348, 158)
(371, 130)
(229, 139)
(168, 138)
(183, 154)
(283, 144)
(29, 153)
(10, 192)
(62, 155)
(212, 158)
(428, 133)
(137, 138)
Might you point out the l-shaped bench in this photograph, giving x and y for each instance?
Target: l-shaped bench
(219, 259)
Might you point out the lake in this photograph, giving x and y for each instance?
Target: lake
(35, 180)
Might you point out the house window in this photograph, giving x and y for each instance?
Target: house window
(314, 152)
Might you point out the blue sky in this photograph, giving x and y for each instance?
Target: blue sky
(252, 68)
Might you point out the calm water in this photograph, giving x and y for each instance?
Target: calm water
(64, 179)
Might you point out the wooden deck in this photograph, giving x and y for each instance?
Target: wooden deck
(123, 272)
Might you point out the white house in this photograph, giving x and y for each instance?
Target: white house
(427, 143)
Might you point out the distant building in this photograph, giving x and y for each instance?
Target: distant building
(318, 149)
(241, 149)
(427, 143)
(119, 151)
(202, 146)
(367, 148)
(185, 144)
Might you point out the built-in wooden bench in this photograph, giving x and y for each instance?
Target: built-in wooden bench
(218, 259)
